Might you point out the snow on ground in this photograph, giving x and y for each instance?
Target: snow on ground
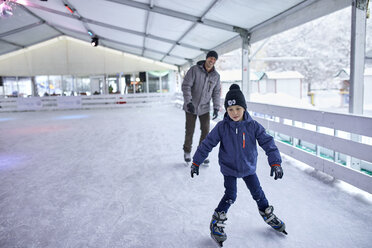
(282, 99)
(115, 178)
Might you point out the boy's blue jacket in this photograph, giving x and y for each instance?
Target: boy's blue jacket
(238, 150)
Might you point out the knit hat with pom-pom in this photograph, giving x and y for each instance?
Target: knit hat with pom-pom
(235, 97)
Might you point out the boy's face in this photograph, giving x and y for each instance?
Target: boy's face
(235, 112)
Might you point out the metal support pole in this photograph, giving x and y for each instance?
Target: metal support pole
(147, 82)
(358, 40)
(357, 56)
(246, 87)
(160, 84)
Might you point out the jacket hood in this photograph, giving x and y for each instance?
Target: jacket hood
(200, 62)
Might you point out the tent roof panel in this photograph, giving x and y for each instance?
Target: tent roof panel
(185, 52)
(207, 37)
(22, 19)
(32, 35)
(167, 26)
(173, 60)
(6, 47)
(157, 45)
(59, 20)
(123, 48)
(119, 36)
(153, 55)
(112, 13)
(191, 7)
(247, 13)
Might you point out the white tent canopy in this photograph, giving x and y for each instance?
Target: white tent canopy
(172, 32)
(68, 56)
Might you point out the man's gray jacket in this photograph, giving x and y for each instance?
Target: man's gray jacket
(199, 87)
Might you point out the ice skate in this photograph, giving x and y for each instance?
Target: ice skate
(217, 225)
(271, 219)
(206, 162)
(187, 157)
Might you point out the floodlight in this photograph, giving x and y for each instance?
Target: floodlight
(94, 41)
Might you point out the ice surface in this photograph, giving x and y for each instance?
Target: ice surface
(116, 178)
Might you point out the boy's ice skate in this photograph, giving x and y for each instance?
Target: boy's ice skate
(271, 219)
(187, 157)
(206, 162)
(217, 225)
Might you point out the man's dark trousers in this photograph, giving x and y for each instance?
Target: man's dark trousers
(190, 128)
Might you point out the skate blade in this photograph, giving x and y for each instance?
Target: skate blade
(219, 243)
(187, 164)
(283, 231)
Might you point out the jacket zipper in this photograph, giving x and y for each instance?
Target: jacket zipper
(243, 140)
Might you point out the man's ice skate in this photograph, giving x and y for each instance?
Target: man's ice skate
(271, 219)
(217, 225)
(206, 162)
(187, 157)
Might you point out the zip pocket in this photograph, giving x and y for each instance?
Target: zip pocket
(243, 140)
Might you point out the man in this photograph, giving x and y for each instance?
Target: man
(200, 85)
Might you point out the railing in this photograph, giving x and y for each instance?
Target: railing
(291, 127)
(339, 145)
(81, 102)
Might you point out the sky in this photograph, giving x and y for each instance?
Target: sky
(116, 178)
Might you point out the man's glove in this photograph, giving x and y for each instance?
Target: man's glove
(190, 107)
(194, 169)
(277, 170)
(215, 114)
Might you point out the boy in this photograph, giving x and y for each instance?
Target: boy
(237, 156)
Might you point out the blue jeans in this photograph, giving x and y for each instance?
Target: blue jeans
(253, 184)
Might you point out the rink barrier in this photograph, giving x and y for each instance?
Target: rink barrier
(15, 104)
(281, 120)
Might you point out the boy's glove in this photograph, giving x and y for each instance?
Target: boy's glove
(194, 169)
(190, 107)
(215, 114)
(277, 170)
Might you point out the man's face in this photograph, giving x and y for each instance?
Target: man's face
(210, 61)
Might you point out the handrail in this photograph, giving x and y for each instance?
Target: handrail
(355, 124)
(81, 102)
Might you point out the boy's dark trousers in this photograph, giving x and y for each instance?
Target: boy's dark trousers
(254, 187)
(190, 128)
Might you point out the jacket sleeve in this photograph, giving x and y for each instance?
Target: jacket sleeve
(216, 95)
(187, 84)
(267, 143)
(212, 139)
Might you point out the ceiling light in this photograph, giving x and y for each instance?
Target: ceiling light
(69, 9)
(94, 41)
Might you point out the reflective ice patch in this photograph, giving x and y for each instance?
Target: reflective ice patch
(6, 119)
(71, 117)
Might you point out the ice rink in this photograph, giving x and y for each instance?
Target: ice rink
(115, 178)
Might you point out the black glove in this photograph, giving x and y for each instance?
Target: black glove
(194, 169)
(190, 107)
(215, 114)
(277, 170)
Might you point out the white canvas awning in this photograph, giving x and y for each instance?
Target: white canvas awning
(68, 56)
(170, 31)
